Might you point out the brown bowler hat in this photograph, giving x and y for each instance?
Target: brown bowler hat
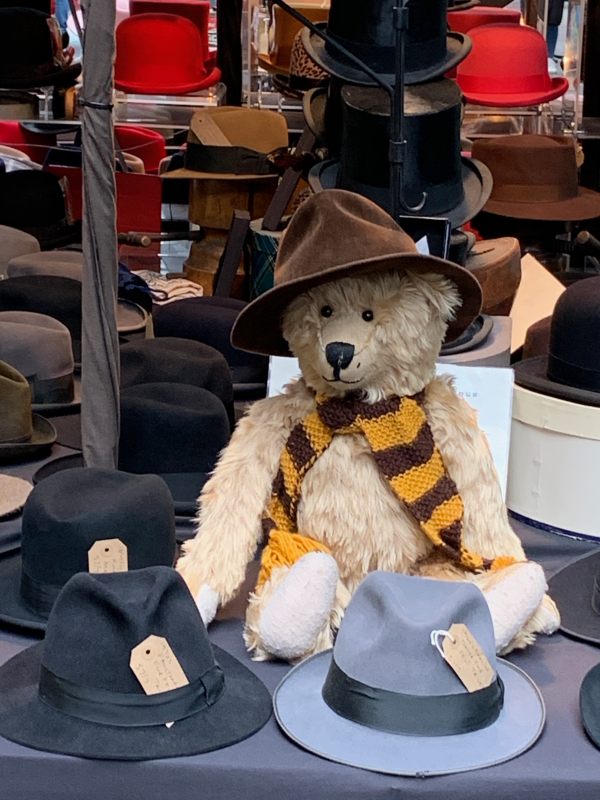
(496, 263)
(336, 234)
(535, 177)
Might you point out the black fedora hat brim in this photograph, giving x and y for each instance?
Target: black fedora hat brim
(58, 77)
(13, 610)
(458, 47)
(242, 710)
(586, 205)
(571, 589)
(476, 179)
(42, 438)
(257, 328)
(532, 373)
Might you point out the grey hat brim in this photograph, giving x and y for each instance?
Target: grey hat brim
(57, 408)
(42, 438)
(458, 47)
(305, 717)
(532, 373)
(131, 318)
(476, 179)
(479, 332)
(571, 589)
(13, 610)
(241, 711)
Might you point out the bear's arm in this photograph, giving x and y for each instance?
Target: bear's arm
(466, 454)
(235, 497)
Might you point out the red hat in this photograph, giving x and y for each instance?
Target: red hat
(462, 20)
(508, 66)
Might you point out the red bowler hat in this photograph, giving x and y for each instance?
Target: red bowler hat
(462, 20)
(508, 67)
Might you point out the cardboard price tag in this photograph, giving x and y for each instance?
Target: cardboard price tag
(107, 555)
(463, 653)
(209, 133)
(156, 667)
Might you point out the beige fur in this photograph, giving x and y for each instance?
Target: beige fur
(345, 502)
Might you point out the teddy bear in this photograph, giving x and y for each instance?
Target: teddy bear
(368, 461)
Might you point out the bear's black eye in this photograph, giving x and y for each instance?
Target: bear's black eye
(367, 315)
(326, 311)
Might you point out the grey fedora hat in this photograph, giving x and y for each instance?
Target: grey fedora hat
(384, 699)
(40, 347)
(76, 693)
(13, 243)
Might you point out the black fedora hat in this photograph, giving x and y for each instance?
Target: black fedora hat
(571, 369)
(33, 201)
(456, 188)
(60, 298)
(576, 591)
(367, 31)
(23, 435)
(210, 320)
(64, 517)
(476, 334)
(28, 54)
(40, 348)
(75, 693)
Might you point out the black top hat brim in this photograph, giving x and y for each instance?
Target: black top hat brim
(184, 486)
(13, 610)
(476, 179)
(42, 438)
(476, 334)
(571, 588)
(242, 710)
(532, 373)
(58, 78)
(60, 408)
(458, 47)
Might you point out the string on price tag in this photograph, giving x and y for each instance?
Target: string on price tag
(462, 652)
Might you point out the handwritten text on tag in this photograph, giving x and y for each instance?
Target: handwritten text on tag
(467, 659)
(107, 555)
(156, 667)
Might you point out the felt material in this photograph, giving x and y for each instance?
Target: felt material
(209, 320)
(589, 704)
(508, 66)
(14, 243)
(64, 516)
(367, 240)
(496, 263)
(65, 263)
(575, 592)
(476, 334)
(463, 19)
(94, 625)
(13, 494)
(366, 30)
(22, 434)
(406, 663)
(535, 177)
(570, 369)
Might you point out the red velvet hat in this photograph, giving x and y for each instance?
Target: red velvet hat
(508, 66)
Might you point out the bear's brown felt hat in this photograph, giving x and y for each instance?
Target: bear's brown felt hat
(333, 235)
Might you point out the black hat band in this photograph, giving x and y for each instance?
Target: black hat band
(234, 160)
(573, 374)
(127, 709)
(413, 715)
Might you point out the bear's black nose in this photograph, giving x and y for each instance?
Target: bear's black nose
(339, 355)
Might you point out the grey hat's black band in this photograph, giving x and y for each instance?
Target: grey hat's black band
(573, 375)
(126, 709)
(413, 715)
(236, 160)
(38, 596)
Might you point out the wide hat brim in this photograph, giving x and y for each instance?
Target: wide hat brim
(476, 334)
(57, 77)
(532, 373)
(586, 205)
(185, 487)
(476, 179)
(458, 47)
(305, 717)
(241, 711)
(42, 438)
(518, 100)
(130, 317)
(58, 408)
(571, 588)
(257, 329)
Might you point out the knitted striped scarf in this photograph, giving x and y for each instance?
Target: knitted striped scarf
(404, 450)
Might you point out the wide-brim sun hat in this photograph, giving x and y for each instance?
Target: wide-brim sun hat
(333, 235)
(378, 700)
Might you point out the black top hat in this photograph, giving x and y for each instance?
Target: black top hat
(177, 360)
(77, 694)
(61, 298)
(23, 435)
(455, 187)
(64, 517)
(40, 348)
(367, 31)
(571, 370)
(210, 320)
(33, 201)
(27, 54)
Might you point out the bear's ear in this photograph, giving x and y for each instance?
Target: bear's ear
(441, 293)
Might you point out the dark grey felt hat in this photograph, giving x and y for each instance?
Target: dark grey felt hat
(576, 591)
(589, 704)
(76, 694)
(63, 517)
(384, 699)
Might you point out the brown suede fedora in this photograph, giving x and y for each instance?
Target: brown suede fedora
(337, 234)
(535, 177)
